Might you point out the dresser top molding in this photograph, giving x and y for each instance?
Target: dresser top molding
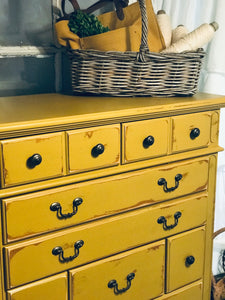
(45, 112)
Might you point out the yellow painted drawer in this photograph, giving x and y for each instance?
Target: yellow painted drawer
(100, 239)
(78, 203)
(189, 292)
(191, 131)
(132, 275)
(185, 258)
(145, 139)
(32, 158)
(52, 288)
(94, 148)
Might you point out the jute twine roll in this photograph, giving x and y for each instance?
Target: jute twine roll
(194, 40)
(178, 33)
(165, 26)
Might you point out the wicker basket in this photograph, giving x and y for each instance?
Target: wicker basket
(218, 281)
(140, 73)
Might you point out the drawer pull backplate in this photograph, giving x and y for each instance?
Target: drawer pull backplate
(114, 285)
(59, 251)
(162, 181)
(162, 220)
(56, 206)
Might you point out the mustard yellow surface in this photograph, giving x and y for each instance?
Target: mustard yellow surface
(101, 238)
(136, 132)
(178, 249)
(183, 125)
(47, 112)
(81, 143)
(189, 292)
(52, 288)
(124, 35)
(122, 202)
(147, 263)
(16, 152)
(116, 194)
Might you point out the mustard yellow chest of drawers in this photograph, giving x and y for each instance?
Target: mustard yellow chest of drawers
(107, 198)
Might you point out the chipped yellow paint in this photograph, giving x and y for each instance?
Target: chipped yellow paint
(147, 263)
(16, 153)
(82, 142)
(135, 133)
(182, 128)
(189, 292)
(122, 200)
(116, 194)
(179, 248)
(101, 238)
(52, 288)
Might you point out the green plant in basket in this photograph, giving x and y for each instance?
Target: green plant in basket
(85, 25)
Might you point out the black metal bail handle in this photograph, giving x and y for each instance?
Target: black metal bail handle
(59, 251)
(56, 206)
(114, 285)
(162, 181)
(163, 220)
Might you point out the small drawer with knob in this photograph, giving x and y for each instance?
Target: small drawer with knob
(145, 139)
(32, 158)
(185, 258)
(93, 148)
(191, 131)
(134, 274)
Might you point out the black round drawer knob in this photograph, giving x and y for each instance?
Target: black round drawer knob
(148, 141)
(97, 150)
(189, 261)
(34, 161)
(194, 133)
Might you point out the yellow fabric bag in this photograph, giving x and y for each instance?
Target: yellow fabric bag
(124, 35)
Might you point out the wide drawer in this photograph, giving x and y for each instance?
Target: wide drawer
(145, 139)
(189, 292)
(32, 158)
(100, 198)
(94, 148)
(185, 258)
(52, 288)
(43, 256)
(135, 274)
(191, 131)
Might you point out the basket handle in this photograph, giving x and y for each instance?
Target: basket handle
(144, 32)
(216, 233)
(119, 5)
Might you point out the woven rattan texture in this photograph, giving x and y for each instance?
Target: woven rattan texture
(140, 73)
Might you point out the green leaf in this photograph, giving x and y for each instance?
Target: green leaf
(84, 25)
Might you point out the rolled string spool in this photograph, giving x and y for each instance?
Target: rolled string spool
(194, 40)
(178, 33)
(164, 23)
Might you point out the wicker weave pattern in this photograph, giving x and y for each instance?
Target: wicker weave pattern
(140, 73)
